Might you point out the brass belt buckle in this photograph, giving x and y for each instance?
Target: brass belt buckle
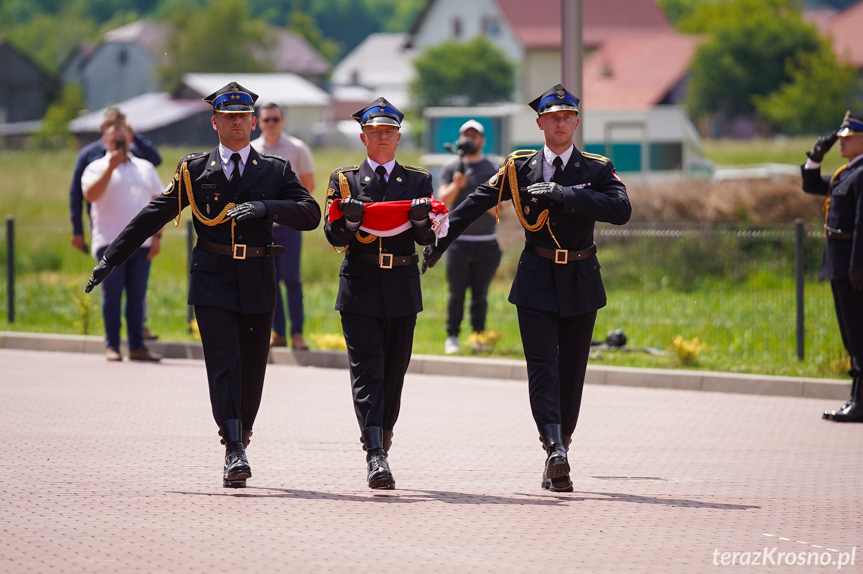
(386, 261)
(561, 256)
(239, 251)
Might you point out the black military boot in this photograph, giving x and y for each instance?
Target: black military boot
(854, 384)
(853, 413)
(237, 468)
(555, 476)
(388, 441)
(380, 477)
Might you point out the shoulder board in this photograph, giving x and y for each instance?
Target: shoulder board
(194, 155)
(271, 156)
(595, 156)
(416, 169)
(339, 170)
(521, 154)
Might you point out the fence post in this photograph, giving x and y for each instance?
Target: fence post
(798, 280)
(10, 268)
(190, 234)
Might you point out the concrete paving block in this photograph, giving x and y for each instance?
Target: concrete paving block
(751, 385)
(826, 389)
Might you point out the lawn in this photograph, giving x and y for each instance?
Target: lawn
(745, 320)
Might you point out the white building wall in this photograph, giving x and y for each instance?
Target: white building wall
(117, 72)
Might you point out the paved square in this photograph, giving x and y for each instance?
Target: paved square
(117, 468)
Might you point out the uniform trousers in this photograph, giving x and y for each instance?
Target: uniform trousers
(236, 346)
(849, 312)
(379, 352)
(288, 272)
(556, 350)
(131, 277)
(469, 264)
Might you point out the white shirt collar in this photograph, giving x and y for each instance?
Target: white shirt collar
(387, 166)
(550, 155)
(226, 154)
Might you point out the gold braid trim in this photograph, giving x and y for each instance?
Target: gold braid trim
(826, 207)
(186, 180)
(345, 192)
(541, 220)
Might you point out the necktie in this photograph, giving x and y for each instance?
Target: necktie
(558, 170)
(235, 175)
(382, 172)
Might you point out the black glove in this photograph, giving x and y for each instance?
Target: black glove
(420, 209)
(431, 255)
(548, 189)
(248, 210)
(822, 146)
(100, 271)
(855, 276)
(352, 209)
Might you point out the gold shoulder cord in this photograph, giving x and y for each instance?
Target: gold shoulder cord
(826, 207)
(516, 201)
(345, 192)
(186, 181)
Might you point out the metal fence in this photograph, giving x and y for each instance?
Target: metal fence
(733, 287)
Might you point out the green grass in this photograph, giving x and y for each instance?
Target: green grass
(774, 150)
(729, 295)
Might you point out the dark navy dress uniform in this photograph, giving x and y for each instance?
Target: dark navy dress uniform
(557, 287)
(233, 284)
(379, 292)
(843, 252)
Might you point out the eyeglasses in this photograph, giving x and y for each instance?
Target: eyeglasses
(270, 120)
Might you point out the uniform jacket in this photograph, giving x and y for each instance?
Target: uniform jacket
(247, 285)
(366, 289)
(597, 194)
(845, 214)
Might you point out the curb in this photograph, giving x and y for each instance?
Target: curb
(503, 369)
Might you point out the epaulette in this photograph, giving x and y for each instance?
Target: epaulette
(271, 156)
(191, 156)
(521, 154)
(416, 169)
(595, 156)
(339, 170)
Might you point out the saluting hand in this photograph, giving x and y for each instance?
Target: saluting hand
(100, 272)
(821, 146)
(551, 190)
(431, 255)
(248, 210)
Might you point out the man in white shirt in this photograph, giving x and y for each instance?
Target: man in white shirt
(118, 185)
(274, 141)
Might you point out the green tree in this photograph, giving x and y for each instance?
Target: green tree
(819, 92)
(464, 74)
(221, 38)
(303, 25)
(747, 53)
(678, 10)
(54, 131)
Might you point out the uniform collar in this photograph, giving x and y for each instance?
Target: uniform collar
(226, 154)
(550, 155)
(387, 166)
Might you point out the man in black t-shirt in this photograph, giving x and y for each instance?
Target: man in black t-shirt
(473, 258)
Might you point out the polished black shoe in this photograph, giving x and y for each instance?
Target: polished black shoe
(555, 477)
(380, 477)
(828, 415)
(237, 468)
(853, 413)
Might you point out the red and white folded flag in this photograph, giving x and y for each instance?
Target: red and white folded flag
(388, 218)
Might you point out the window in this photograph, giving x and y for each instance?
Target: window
(490, 26)
(456, 28)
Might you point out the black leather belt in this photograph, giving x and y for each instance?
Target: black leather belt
(384, 260)
(560, 256)
(837, 234)
(239, 250)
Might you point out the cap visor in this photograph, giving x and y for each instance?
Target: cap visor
(559, 108)
(382, 121)
(236, 109)
(845, 132)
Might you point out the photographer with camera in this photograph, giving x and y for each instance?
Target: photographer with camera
(474, 257)
(117, 186)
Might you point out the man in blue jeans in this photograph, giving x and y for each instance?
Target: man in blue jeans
(117, 186)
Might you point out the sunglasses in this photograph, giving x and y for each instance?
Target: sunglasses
(270, 120)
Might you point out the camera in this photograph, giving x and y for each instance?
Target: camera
(462, 147)
(120, 145)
